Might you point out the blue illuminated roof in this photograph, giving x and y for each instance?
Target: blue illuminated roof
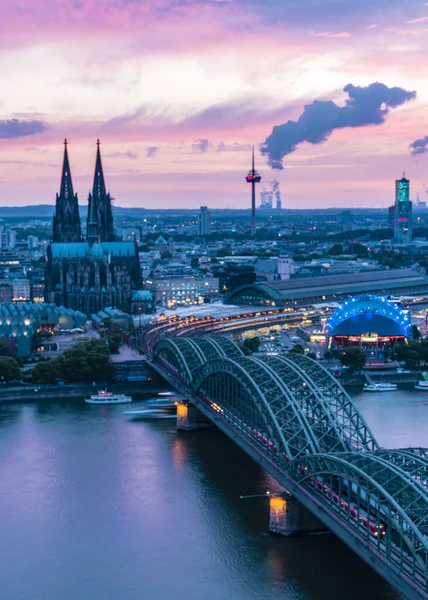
(370, 314)
(82, 249)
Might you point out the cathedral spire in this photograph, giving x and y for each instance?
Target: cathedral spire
(66, 189)
(66, 222)
(99, 187)
(100, 217)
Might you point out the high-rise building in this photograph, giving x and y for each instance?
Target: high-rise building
(204, 223)
(10, 238)
(391, 216)
(33, 242)
(402, 212)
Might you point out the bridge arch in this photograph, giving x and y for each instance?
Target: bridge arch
(377, 492)
(234, 385)
(351, 422)
(185, 356)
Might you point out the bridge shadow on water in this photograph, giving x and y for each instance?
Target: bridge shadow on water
(321, 566)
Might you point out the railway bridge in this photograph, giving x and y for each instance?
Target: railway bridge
(290, 415)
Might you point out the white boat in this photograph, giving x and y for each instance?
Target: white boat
(104, 397)
(153, 409)
(422, 385)
(380, 387)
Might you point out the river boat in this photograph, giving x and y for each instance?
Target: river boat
(164, 408)
(380, 387)
(104, 397)
(422, 386)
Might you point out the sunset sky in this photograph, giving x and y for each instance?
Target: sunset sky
(179, 90)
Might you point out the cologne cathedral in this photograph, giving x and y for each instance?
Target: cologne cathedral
(88, 274)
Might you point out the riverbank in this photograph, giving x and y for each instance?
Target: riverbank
(49, 392)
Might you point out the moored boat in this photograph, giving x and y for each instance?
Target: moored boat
(422, 386)
(380, 387)
(104, 397)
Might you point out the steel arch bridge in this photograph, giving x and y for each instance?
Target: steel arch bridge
(292, 416)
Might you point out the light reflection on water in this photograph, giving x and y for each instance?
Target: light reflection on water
(96, 506)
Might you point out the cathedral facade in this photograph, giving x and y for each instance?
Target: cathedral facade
(88, 274)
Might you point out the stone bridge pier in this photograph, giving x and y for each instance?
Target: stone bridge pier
(189, 418)
(288, 517)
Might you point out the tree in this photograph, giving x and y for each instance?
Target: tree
(297, 349)
(335, 250)
(5, 349)
(329, 355)
(47, 371)
(416, 333)
(360, 249)
(87, 361)
(9, 369)
(354, 358)
(221, 252)
(252, 344)
(312, 355)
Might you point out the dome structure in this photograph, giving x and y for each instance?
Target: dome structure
(369, 318)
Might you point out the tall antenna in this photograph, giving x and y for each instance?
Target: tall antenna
(253, 177)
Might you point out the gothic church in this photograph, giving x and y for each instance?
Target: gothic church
(88, 275)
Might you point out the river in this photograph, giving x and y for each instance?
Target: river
(96, 507)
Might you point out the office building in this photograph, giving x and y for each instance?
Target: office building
(204, 224)
(402, 212)
(10, 236)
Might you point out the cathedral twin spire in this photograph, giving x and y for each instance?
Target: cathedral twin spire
(66, 221)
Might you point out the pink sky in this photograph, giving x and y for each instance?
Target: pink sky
(165, 74)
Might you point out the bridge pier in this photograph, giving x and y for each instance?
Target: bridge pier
(190, 418)
(288, 517)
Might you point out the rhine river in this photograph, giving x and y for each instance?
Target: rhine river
(96, 507)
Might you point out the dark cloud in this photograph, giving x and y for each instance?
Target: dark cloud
(152, 151)
(365, 106)
(419, 146)
(201, 145)
(14, 128)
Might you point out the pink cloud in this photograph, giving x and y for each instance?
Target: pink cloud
(342, 34)
(419, 20)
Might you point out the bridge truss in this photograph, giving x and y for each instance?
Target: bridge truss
(292, 415)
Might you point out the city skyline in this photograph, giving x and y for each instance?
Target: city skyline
(179, 91)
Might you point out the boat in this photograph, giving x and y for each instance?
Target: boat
(154, 409)
(380, 387)
(104, 397)
(423, 385)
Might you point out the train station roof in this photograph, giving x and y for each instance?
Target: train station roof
(384, 282)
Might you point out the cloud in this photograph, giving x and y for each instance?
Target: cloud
(13, 128)
(420, 20)
(419, 146)
(365, 106)
(152, 151)
(201, 145)
(327, 34)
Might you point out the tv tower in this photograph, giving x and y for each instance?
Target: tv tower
(253, 177)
